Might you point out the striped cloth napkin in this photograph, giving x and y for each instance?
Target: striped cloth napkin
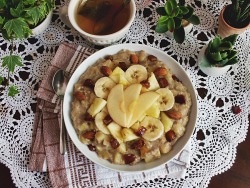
(74, 169)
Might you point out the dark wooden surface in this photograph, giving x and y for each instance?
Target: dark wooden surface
(238, 176)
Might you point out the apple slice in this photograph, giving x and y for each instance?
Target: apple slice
(154, 85)
(115, 131)
(116, 73)
(153, 111)
(128, 135)
(166, 121)
(97, 105)
(144, 101)
(116, 105)
(131, 94)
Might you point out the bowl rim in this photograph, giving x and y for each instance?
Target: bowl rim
(73, 6)
(142, 166)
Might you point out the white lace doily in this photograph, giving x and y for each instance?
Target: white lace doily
(218, 131)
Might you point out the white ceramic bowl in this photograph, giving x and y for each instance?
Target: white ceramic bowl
(101, 40)
(176, 69)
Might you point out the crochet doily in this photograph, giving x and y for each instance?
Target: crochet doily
(218, 131)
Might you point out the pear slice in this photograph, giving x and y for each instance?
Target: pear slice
(97, 105)
(116, 105)
(144, 101)
(131, 95)
(115, 131)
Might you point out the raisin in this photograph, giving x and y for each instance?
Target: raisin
(145, 83)
(128, 158)
(175, 78)
(90, 135)
(88, 117)
(107, 120)
(79, 95)
(123, 66)
(180, 99)
(138, 144)
(114, 143)
(89, 83)
(141, 131)
(91, 147)
(163, 82)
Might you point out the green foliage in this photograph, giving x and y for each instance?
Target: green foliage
(220, 52)
(17, 19)
(239, 13)
(171, 17)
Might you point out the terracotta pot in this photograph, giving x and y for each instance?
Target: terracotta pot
(225, 30)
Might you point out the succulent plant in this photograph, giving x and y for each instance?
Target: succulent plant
(220, 52)
(172, 18)
(237, 13)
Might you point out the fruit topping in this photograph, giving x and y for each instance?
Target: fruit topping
(141, 131)
(88, 117)
(90, 135)
(160, 71)
(170, 135)
(89, 83)
(107, 120)
(163, 82)
(106, 70)
(79, 95)
(152, 58)
(174, 115)
(138, 144)
(91, 147)
(180, 99)
(134, 59)
(114, 143)
(128, 158)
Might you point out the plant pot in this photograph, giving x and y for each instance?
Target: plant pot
(43, 25)
(224, 29)
(211, 71)
(187, 29)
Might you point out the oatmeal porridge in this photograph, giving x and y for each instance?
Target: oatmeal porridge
(129, 107)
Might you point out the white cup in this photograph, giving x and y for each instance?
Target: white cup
(67, 14)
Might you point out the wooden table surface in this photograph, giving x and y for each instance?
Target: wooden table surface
(238, 176)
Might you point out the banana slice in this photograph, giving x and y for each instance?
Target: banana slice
(166, 100)
(154, 128)
(103, 86)
(136, 73)
(99, 122)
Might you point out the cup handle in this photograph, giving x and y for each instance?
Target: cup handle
(63, 13)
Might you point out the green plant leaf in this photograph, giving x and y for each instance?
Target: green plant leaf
(35, 14)
(222, 63)
(29, 2)
(232, 54)
(163, 19)
(232, 61)
(194, 20)
(161, 28)
(11, 62)
(225, 45)
(161, 11)
(231, 38)
(1, 80)
(171, 24)
(177, 22)
(13, 91)
(174, 3)
(215, 44)
(3, 4)
(175, 12)
(168, 8)
(189, 14)
(179, 35)
(17, 28)
(215, 56)
(1, 21)
(223, 55)
(18, 11)
(184, 9)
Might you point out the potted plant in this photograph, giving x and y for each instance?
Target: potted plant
(19, 20)
(234, 18)
(176, 18)
(217, 57)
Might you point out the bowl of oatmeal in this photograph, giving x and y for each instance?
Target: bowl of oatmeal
(130, 107)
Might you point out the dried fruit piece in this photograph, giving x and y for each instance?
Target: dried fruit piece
(160, 71)
(175, 78)
(134, 59)
(91, 147)
(108, 57)
(173, 114)
(79, 95)
(163, 82)
(106, 70)
(89, 83)
(114, 143)
(107, 120)
(141, 131)
(88, 117)
(170, 135)
(145, 83)
(128, 158)
(138, 144)
(144, 150)
(180, 99)
(152, 58)
(89, 135)
(236, 109)
(122, 65)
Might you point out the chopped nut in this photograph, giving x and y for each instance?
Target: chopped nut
(180, 99)
(145, 83)
(134, 59)
(114, 143)
(89, 135)
(128, 158)
(79, 95)
(160, 71)
(152, 58)
(106, 70)
(173, 114)
(89, 83)
(88, 117)
(138, 144)
(107, 120)
(122, 65)
(163, 82)
(170, 135)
